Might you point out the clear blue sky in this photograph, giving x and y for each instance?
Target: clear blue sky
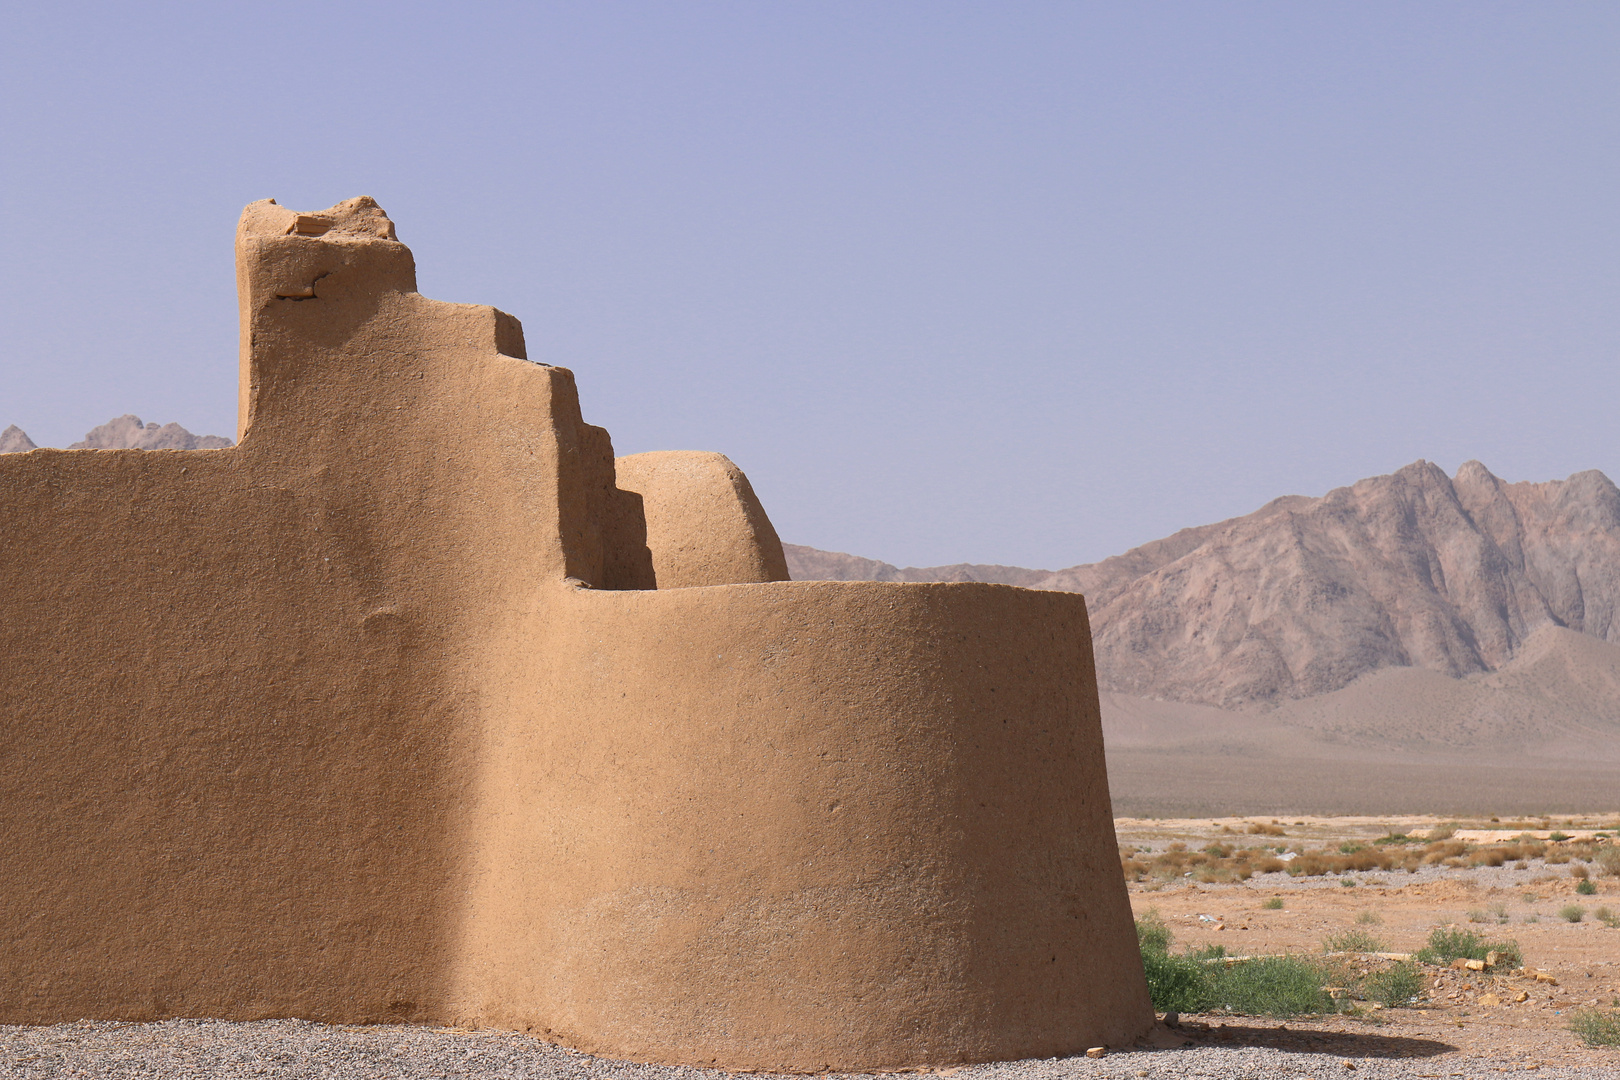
(998, 282)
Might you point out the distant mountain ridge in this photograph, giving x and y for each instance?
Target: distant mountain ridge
(123, 433)
(1306, 595)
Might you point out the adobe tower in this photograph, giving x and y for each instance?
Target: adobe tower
(417, 706)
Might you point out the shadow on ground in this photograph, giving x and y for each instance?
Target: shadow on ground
(1349, 1044)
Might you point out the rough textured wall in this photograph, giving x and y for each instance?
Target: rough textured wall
(364, 720)
(704, 524)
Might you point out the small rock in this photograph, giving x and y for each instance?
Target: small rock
(1521, 996)
(1474, 965)
(1172, 1018)
(1489, 1000)
(1096, 1051)
(1490, 959)
(1350, 1065)
(1543, 977)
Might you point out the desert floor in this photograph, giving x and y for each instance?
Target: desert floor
(1451, 1030)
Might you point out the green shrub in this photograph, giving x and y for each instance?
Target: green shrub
(1272, 986)
(1399, 984)
(1175, 983)
(1446, 945)
(1558, 837)
(1274, 904)
(1586, 887)
(1597, 1027)
(1152, 934)
(1352, 941)
(1572, 913)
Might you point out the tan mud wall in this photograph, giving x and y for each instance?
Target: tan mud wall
(349, 723)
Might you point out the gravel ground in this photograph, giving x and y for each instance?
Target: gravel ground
(292, 1048)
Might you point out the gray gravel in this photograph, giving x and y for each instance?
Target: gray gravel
(293, 1048)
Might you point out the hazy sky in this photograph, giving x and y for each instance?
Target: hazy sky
(1004, 282)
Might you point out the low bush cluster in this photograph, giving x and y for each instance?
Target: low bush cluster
(1447, 943)
(1597, 1027)
(1399, 984)
(1280, 986)
(1221, 862)
(1358, 941)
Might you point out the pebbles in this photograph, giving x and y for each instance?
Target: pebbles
(297, 1049)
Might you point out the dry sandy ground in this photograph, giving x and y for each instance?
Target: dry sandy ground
(1451, 1031)
(1175, 784)
(1449, 1035)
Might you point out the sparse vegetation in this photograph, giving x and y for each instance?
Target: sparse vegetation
(1274, 904)
(1587, 887)
(1352, 941)
(1597, 1027)
(1370, 918)
(1399, 984)
(1607, 918)
(1478, 915)
(1608, 857)
(1572, 913)
(1175, 983)
(1197, 981)
(1273, 986)
(1454, 943)
(1227, 861)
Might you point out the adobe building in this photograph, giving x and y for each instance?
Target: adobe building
(417, 706)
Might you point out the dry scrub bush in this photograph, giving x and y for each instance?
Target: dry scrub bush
(1597, 1027)
(1225, 861)
(1352, 941)
(1608, 857)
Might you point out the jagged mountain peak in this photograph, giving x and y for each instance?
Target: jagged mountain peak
(125, 432)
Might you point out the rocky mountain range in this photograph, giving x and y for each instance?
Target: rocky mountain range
(1304, 596)
(123, 433)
